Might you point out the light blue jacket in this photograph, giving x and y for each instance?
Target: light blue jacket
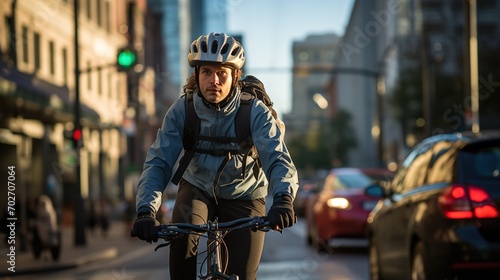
(277, 165)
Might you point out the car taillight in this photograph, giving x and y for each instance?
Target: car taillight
(460, 202)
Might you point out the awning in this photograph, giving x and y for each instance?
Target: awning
(27, 95)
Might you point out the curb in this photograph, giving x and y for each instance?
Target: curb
(99, 256)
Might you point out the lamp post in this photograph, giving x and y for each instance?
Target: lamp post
(473, 62)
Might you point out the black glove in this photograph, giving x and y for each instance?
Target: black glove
(281, 214)
(145, 227)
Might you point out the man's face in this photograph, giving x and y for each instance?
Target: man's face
(215, 82)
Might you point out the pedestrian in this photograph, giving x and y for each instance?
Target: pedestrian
(92, 216)
(215, 185)
(105, 217)
(47, 228)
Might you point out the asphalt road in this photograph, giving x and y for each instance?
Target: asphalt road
(285, 256)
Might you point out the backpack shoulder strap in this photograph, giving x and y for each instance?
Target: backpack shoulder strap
(242, 118)
(243, 131)
(191, 124)
(191, 133)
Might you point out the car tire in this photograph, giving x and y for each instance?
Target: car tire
(373, 260)
(312, 237)
(309, 239)
(314, 241)
(320, 245)
(422, 268)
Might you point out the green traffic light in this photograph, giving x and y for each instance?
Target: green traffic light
(127, 58)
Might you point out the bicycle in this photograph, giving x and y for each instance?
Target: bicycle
(215, 234)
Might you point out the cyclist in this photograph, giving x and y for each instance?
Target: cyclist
(214, 185)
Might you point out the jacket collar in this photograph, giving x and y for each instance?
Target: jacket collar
(204, 108)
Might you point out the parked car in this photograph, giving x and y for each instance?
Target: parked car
(307, 189)
(439, 218)
(336, 215)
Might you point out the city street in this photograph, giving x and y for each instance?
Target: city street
(286, 256)
(107, 107)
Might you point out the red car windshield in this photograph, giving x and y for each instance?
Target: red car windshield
(351, 180)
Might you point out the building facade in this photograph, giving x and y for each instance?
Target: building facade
(313, 63)
(415, 58)
(38, 90)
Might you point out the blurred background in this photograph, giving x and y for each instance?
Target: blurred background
(357, 82)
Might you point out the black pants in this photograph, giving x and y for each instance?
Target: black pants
(244, 246)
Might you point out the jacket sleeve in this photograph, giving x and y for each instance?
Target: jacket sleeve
(160, 159)
(273, 153)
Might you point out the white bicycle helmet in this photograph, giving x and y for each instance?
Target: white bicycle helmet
(217, 48)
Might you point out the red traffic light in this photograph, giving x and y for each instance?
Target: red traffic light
(77, 134)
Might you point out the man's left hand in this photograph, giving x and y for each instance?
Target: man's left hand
(281, 214)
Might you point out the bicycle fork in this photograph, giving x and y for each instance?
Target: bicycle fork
(214, 258)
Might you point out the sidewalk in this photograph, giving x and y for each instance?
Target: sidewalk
(97, 248)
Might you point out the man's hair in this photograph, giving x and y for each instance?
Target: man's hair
(191, 84)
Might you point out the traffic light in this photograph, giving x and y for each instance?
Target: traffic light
(126, 59)
(77, 137)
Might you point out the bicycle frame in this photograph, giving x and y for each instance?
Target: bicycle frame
(214, 256)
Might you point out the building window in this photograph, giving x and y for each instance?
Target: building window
(37, 51)
(89, 77)
(89, 9)
(303, 56)
(108, 16)
(65, 65)
(117, 93)
(98, 14)
(52, 58)
(99, 82)
(110, 80)
(8, 34)
(25, 44)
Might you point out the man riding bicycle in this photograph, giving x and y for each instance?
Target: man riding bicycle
(217, 183)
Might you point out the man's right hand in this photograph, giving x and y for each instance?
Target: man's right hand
(145, 227)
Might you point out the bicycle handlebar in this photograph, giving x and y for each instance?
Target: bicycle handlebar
(171, 230)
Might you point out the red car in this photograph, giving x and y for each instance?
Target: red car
(337, 214)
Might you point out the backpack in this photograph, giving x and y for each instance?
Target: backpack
(251, 88)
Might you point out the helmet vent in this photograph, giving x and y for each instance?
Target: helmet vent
(224, 49)
(195, 49)
(215, 45)
(235, 51)
(204, 47)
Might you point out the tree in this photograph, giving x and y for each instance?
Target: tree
(325, 146)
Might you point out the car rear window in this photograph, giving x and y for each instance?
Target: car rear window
(483, 164)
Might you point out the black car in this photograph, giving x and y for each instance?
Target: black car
(439, 217)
